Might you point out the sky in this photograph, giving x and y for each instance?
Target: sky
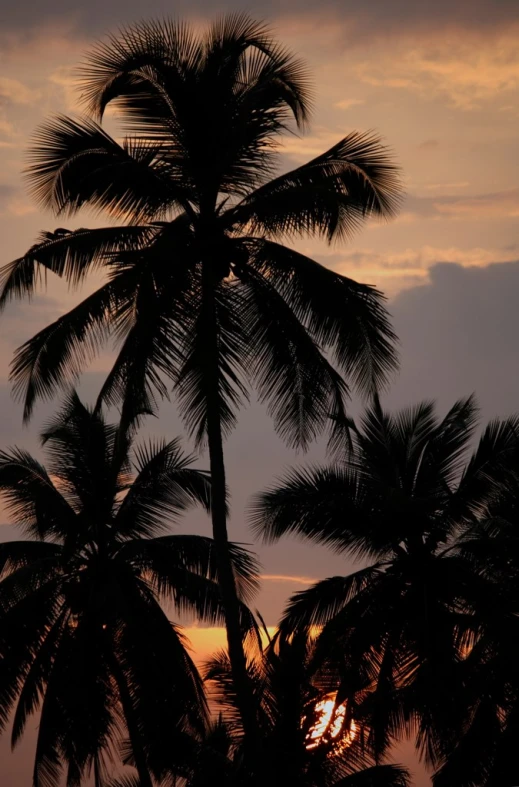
(440, 82)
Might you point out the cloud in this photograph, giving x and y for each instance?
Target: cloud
(395, 271)
(13, 202)
(459, 335)
(6, 128)
(429, 144)
(461, 184)
(500, 204)
(15, 92)
(65, 77)
(378, 17)
(7, 192)
(468, 69)
(21, 206)
(347, 103)
(288, 578)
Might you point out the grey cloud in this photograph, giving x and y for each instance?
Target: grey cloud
(371, 18)
(459, 335)
(6, 192)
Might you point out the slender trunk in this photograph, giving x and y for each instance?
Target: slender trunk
(242, 685)
(133, 731)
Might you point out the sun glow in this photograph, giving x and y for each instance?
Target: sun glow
(330, 725)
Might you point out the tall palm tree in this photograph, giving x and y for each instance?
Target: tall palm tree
(83, 636)
(307, 742)
(201, 291)
(398, 629)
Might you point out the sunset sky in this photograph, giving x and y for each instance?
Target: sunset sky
(440, 81)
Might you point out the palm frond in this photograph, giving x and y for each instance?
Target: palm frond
(320, 603)
(146, 645)
(301, 388)
(26, 595)
(165, 486)
(80, 446)
(15, 555)
(195, 554)
(496, 456)
(139, 63)
(30, 496)
(153, 323)
(446, 451)
(341, 315)
(329, 196)
(377, 776)
(71, 254)
(56, 355)
(74, 163)
(35, 680)
(232, 362)
(128, 780)
(321, 504)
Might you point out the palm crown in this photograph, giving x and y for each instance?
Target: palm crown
(399, 629)
(84, 637)
(191, 180)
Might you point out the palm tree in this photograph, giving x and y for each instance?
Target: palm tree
(482, 748)
(201, 291)
(83, 636)
(398, 630)
(307, 741)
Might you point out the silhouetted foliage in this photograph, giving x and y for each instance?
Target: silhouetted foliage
(297, 747)
(422, 636)
(200, 291)
(84, 638)
(481, 750)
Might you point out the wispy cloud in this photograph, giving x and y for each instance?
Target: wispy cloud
(468, 70)
(499, 204)
(429, 144)
(6, 128)
(20, 206)
(347, 103)
(461, 184)
(294, 580)
(15, 92)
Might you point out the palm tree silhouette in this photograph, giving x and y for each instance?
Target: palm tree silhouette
(398, 630)
(481, 748)
(200, 289)
(83, 635)
(296, 749)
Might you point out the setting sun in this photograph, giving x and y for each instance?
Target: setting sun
(330, 724)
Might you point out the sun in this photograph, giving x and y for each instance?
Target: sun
(329, 724)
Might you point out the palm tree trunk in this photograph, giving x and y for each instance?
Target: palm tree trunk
(133, 730)
(237, 658)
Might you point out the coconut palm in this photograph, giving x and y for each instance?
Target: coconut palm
(84, 639)
(399, 628)
(201, 290)
(307, 740)
(481, 750)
